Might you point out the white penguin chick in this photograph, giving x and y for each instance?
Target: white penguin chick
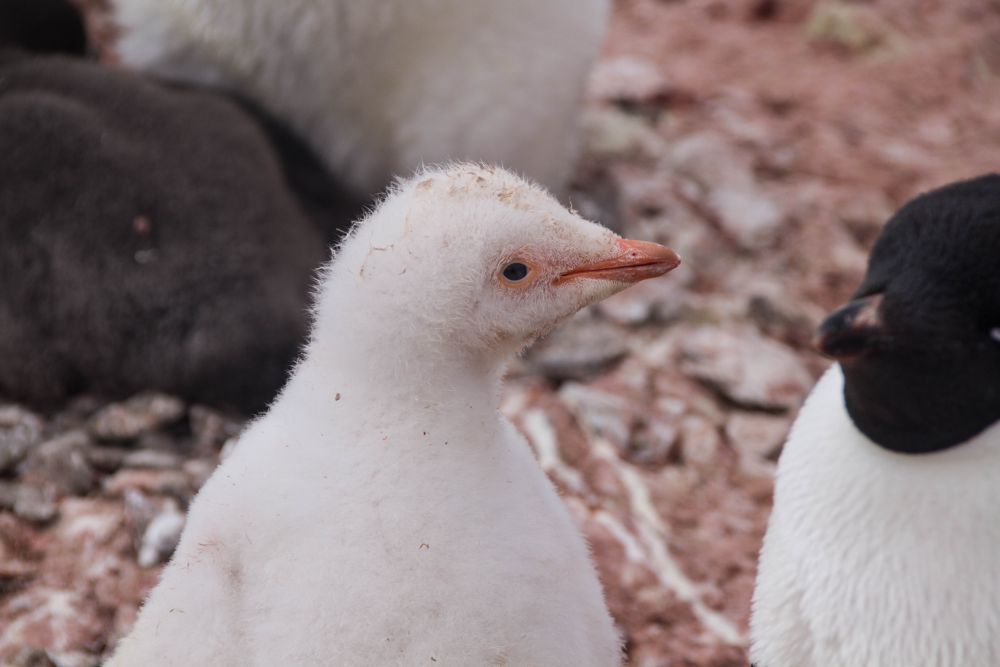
(883, 549)
(382, 86)
(383, 512)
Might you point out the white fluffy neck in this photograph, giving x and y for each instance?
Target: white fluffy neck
(387, 371)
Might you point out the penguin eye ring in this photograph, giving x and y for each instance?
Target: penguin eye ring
(517, 273)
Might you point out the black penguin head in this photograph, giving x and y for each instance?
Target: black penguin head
(920, 342)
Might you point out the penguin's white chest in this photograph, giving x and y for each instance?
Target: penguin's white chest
(877, 558)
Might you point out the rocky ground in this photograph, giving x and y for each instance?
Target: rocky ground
(765, 140)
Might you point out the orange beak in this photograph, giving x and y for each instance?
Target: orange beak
(637, 260)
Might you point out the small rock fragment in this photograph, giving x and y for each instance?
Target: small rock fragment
(652, 443)
(106, 459)
(32, 657)
(19, 430)
(600, 412)
(635, 85)
(700, 442)
(63, 462)
(161, 536)
(160, 482)
(613, 134)
(748, 369)
(152, 458)
(137, 415)
(578, 350)
(858, 29)
(757, 436)
(211, 429)
(34, 504)
(725, 184)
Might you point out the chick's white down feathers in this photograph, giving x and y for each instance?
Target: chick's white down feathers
(383, 512)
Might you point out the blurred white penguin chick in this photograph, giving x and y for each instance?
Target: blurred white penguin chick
(383, 512)
(883, 548)
(380, 87)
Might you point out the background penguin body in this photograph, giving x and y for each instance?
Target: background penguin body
(378, 88)
(883, 544)
(148, 239)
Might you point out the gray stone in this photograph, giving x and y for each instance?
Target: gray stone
(724, 184)
(161, 535)
(19, 430)
(211, 429)
(746, 368)
(578, 350)
(757, 436)
(32, 657)
(106, 459)
(35, 504)
(600, 412)
(8, 495)
(701, 443)
(152, 458)
(653, 443)
(63, 462)
(137, 415)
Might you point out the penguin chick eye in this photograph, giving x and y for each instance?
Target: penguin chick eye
(995, 334)
(515, 271)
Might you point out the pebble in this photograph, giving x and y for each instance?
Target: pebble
(139, 414)
(34, 504)
(211, 429)
(62, 461)
(19, 430)
(757, 436)
(726, 185)
(106, 459)
(152, 458)
(578, 350)
(600, 412)
(614, 134)
(701, 444)
(751, 371)
(161, 482)
(161, 535)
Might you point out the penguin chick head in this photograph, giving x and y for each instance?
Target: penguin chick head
(474, 261)
(920, 342)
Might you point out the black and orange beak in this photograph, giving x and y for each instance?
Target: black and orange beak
(853, 330)
(635, 261)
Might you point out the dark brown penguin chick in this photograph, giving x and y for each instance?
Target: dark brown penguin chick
(148, 239)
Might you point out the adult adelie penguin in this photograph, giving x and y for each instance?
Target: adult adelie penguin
(383, 512)
(883, 549)
(380, 87)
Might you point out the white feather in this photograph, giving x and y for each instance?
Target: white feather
(381, 86)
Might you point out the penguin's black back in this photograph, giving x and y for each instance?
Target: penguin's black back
(148, 239)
